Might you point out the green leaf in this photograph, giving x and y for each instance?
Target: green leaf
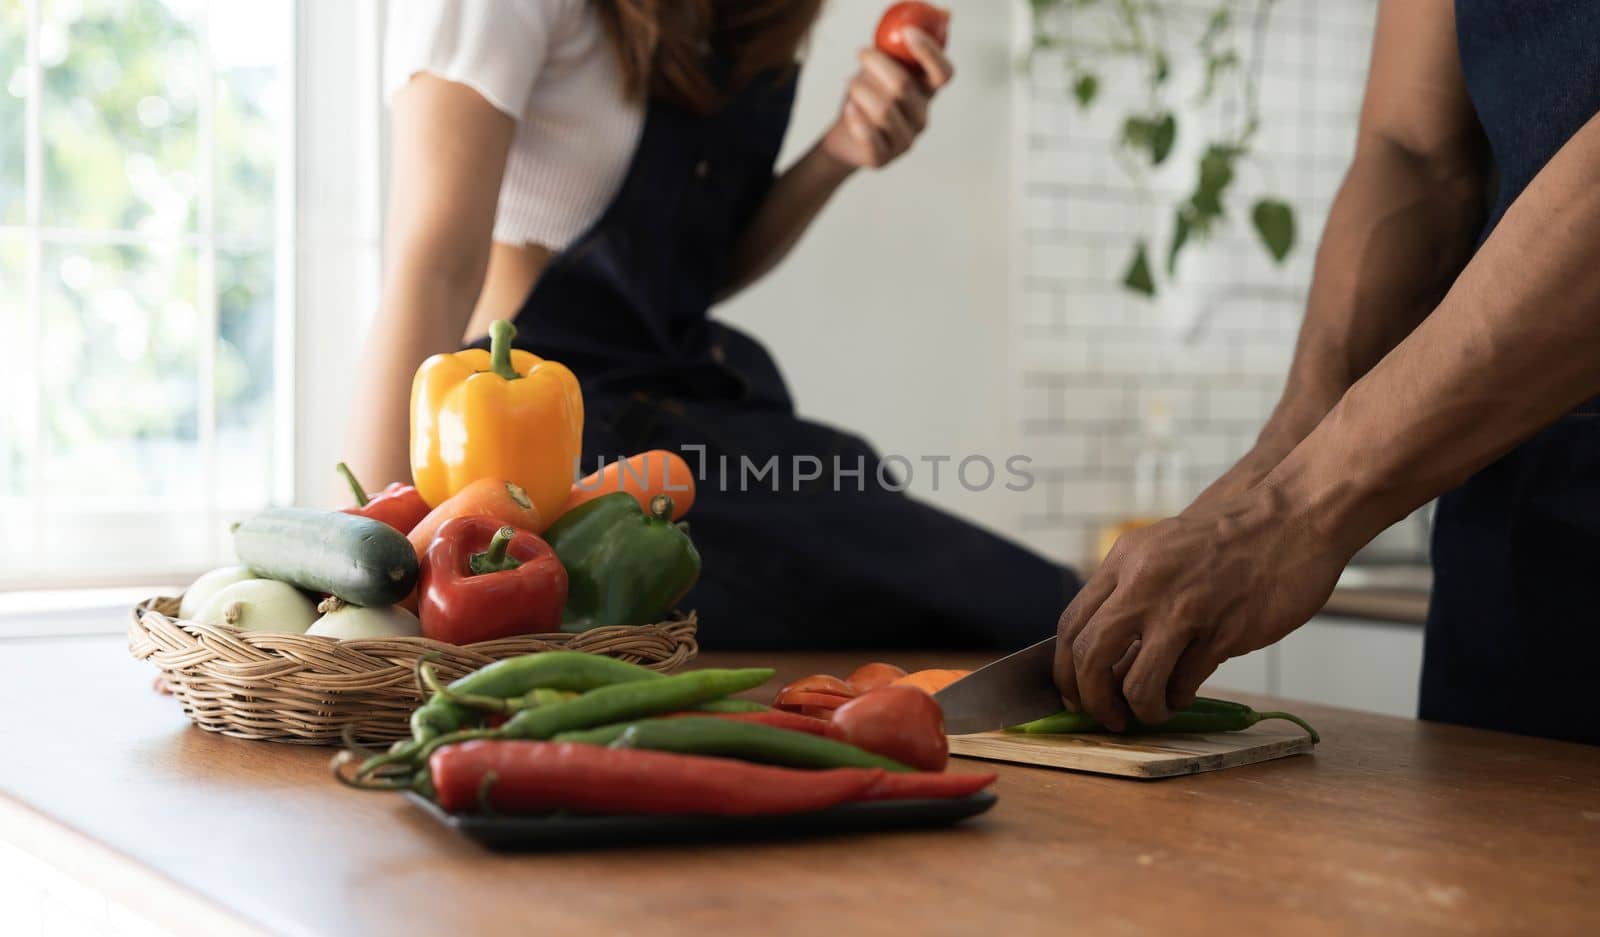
(1216, 174)
(1085, 88)
(1162, 137)
(1154, 135)
(1215, 66)
(1160, 68)
(1180, 236)
(1274, 221)
(1136, 132)
(1215, 26)
(1138, 278)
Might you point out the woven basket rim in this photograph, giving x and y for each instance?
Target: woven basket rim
(196, 628)
(310, 689)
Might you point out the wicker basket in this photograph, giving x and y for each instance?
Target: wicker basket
(307, 689)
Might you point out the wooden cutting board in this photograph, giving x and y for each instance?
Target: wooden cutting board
(1144, 756)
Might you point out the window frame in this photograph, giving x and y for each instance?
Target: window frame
(327, 258)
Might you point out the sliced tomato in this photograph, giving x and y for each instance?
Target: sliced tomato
(802, 721)
(794, 699)
(931, 681)
(899, 722)
(873, 675)
(823, 683)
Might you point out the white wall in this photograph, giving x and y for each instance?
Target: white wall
(1215, 347)
(891, 318)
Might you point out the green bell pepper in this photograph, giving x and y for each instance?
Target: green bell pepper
(625, 566)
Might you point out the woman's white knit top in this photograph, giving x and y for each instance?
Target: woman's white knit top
(550, 65)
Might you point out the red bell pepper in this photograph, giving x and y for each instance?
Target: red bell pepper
(535, 777)
(482, 580)
(397, 505)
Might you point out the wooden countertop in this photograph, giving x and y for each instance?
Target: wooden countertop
(1397, 606)
(1392, 827)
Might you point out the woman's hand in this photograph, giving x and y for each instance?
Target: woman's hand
(1174, 600)
(886, 104)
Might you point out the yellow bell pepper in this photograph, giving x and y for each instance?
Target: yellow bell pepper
(505, 414)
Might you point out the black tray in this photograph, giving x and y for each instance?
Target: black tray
(577, 832)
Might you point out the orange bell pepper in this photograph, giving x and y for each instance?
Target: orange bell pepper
(505, 414)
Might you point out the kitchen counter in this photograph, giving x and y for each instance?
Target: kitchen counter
(1401, 606)
(1392, 826)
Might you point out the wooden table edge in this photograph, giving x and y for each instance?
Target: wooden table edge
(116, 875)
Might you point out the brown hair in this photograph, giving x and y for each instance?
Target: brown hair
(665, 45)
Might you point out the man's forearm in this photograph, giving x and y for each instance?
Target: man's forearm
(1514, 344)
(797, 197)
(1399, 231)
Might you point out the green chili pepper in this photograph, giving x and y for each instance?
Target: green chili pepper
(1204, 715)
(748, 741)
(731, 706)
(616, 703)
(516, 677)
(504, 686)
(624, 566)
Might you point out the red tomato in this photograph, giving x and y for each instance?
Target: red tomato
(891, 36)
(820, 683)
(898, 722)
(871, 676)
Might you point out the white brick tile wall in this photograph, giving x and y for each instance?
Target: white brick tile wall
(1092, 358)
(1232, 406)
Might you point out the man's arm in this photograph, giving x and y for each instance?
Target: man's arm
(1514, 344)
(1400, 229)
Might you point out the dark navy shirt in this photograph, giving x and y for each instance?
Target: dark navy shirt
(1533, 70)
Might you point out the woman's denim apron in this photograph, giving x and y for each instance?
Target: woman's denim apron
(827, 562)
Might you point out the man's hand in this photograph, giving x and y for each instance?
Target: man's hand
(886, 104)
(1174, 600)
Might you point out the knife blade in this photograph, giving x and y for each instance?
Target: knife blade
(1011, 690)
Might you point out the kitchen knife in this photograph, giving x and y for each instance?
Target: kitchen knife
(1011, 690)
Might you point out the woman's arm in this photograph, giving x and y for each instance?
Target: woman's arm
(1400, 229)
(449, 147)
(885, 108)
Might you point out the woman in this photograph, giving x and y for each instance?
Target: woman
(601, 172)
(1451, 348)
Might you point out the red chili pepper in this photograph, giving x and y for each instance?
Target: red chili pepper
(532, 777)
(776, 718)
(927, 784)
(482, 580)
(397, 505)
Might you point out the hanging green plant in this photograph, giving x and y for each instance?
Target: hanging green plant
(1090, 34)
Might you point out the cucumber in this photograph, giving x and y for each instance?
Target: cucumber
(360, 560)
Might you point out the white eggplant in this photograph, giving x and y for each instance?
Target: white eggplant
(209, 584)
(349, 622)
(260, 605)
